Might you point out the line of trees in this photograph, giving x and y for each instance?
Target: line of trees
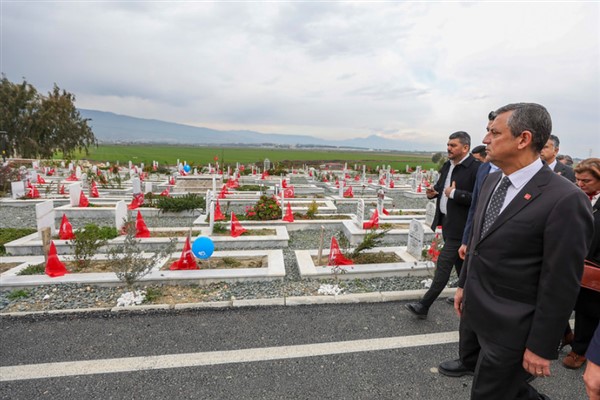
(37, 126)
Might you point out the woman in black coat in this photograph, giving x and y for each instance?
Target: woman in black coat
(587, 308)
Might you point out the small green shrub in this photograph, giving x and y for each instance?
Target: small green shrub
(312, 209)
(10, 234)
(265, 209)
(231, 262)
(219, 227)
(18, 294)
(189, 202)
(36, 269)
(88, 241)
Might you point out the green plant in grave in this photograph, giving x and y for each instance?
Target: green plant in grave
(18, 294)
(10, 234)
(372, 239)
(265, 209)
(128, 261)
(219, 227)
(87, 241)
(312, 209)
(189, 202)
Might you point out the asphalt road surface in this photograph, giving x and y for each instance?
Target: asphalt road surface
(354, 351)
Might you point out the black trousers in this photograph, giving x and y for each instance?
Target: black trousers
(585, 326)
(447, 259)
(499, 373)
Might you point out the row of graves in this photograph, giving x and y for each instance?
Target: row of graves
(216, 233)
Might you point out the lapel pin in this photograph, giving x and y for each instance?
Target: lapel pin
(527, 196)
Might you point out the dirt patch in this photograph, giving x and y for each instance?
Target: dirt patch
(6, 266)
(250, 232)
(226, 263)
(367, 258)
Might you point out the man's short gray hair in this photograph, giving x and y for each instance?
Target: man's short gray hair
(530, 117)
(463, 137)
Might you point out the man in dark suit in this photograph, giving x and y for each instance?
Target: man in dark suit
(453, 192)
(549, 153)
(524, 264)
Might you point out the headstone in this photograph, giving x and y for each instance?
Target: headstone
(130, 164)
(341, 189)
(413, 184)
(62, 164)
(46, 236)
(44, 216)
(208, 199)
(78, 172)
(120, 215)
(360, 213)
(211, 220)
(266, 164)
(148, 187)
(17, 189)
(214, 184)
(70, 166)
(429, 213)
(136, 185)
(142, 166)
(34, 176)
(35, 164)
(380, 200)
(95, 169)
(84, 180)
(416, 234)
(74, 194)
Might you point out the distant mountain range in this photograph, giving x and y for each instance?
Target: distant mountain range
(115, 128)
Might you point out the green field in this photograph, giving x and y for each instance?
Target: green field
(229, 155)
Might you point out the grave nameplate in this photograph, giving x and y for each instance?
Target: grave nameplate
(416, 234)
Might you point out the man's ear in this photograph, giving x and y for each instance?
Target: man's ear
(525, 139)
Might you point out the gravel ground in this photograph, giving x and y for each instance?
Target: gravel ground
(67, 296)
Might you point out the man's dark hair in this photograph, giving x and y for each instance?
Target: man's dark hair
(492, 115)
(530, 117)
(554, 138)
(479, 150)
(463, 137)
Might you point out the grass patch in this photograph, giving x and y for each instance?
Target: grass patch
(10, 234)
(35, 269)
(18, 294)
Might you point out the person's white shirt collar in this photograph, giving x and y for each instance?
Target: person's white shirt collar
(519, 178)
(553, 164)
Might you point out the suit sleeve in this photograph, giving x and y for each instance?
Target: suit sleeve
(564, 248)
(593, 352)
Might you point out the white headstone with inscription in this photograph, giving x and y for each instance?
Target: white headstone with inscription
(148, 187)
(429, 213)
(360, 213)
(78, 172)
(416, 234)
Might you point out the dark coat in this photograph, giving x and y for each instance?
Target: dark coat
(521, 279)
(464, 174)
(565, 171)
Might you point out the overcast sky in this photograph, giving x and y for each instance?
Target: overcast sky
(413, 71)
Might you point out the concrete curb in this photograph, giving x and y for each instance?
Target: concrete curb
(353, 298)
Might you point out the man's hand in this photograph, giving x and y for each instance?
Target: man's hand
(591, 377)
(462, 251)
(458, 304)
(430, 192)
(535, 365)
(449, 189)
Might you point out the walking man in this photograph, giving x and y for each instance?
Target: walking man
(453, 191)
(524, 263)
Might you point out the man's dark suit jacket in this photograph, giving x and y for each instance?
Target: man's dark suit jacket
(522, 277)
(464, 175)
(565, 171)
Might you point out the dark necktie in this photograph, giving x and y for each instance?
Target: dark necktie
(495, 205)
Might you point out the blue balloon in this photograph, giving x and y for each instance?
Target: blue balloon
(187, 168)
(203, 247)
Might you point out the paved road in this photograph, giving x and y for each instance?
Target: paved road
(359, 351)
